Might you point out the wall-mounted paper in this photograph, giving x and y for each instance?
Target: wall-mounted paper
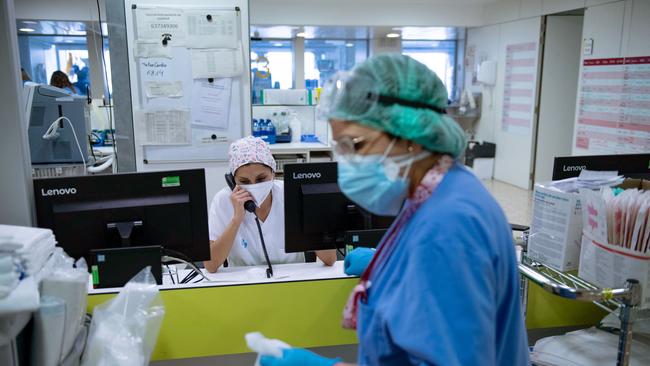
(166, 127)
(211, 103)
(212, 29)
(155, 23)
(159, 69)
(170, 89)
(152, 49)
(213, 63)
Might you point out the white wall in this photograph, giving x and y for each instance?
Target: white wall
(303, 12)
(514, 153)
(619, 29)
(486, 43)
(16, 195)
(81, 10)
(509, 10)
(367, 12)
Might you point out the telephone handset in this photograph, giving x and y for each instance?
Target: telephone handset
(248, 205)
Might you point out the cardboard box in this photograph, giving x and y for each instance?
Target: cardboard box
(609, 266)
(556, 228)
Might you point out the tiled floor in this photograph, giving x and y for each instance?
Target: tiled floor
(516, 202)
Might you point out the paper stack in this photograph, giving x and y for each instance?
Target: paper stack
(588, 179)
(625, 217)
(615, 244)
(23, 252)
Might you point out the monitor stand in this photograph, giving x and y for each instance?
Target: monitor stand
(124, 228)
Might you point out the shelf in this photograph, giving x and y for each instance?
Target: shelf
(293, 147)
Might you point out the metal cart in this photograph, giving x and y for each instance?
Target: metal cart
(572, 287)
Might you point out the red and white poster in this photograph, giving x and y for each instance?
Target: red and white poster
(614, 106)
(519, 88)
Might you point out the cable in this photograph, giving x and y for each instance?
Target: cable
(110, 96)
(269, 270)
(106, 163)
(340, 251)
(170, 274)
(52, 134)
(166, 259)
(177, 254)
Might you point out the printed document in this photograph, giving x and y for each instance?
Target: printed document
(211, 102)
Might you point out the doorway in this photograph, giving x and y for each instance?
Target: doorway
(558, 91)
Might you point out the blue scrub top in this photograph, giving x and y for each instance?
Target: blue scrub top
(448, 294)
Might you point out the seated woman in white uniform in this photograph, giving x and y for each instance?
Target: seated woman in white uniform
(233, 231)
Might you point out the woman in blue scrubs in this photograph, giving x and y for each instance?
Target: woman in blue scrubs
(442, 288)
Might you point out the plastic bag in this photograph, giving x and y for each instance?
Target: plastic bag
(264, 346)
(124, 330)
(65, 281)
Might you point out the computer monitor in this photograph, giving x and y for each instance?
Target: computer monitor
(318, 215)
(44, 105)
(166, 208)
(631, 166)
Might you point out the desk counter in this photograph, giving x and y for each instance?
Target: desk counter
(302, 305)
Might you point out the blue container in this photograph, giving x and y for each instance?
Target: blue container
(256, 128)
(269, 131)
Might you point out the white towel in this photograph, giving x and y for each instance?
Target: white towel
(7, 263)
(31, 246)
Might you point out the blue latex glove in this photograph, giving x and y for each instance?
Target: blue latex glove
(357, 260)
(298, 357)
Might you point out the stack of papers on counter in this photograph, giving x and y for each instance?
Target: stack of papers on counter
(588, 179)
(23, 252)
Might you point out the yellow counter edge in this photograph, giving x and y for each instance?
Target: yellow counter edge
(212, 321)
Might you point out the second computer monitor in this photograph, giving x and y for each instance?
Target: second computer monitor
(317, 214)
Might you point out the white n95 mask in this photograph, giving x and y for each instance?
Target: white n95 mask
(259, 191)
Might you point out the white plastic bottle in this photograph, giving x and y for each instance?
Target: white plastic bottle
(296, 127)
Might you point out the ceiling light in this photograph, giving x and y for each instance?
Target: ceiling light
(301, 34)
(349, 45)
(278, 44)
(392, 35)
(28, 22)
(26, 30)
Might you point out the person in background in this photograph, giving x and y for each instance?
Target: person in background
(82, 83)
(60, 80)
(233, 231)
(442, 287)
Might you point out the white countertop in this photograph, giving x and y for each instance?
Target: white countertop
(250, 275)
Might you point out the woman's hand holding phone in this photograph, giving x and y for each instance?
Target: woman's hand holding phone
(238, 197)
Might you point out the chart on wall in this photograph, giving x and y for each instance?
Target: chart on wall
(519, 88)
(614, 106)
(190, 91)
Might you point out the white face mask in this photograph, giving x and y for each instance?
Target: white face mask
(259, 191)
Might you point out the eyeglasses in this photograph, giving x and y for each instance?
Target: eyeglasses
(347, 145)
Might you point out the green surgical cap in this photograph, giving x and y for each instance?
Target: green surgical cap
(400, 76)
